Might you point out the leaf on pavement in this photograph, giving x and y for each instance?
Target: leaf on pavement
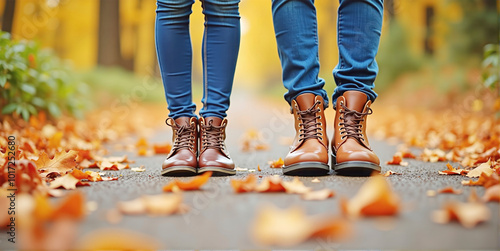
(270, 184)
(484, 180)
(433, 155)
(138, 169)
(246, 185)
(450, 190)
(67, 181)
(61, 163)
(292, 226)
(390, 172)
(483, 168)
(107, 165)
(162, 204)
(397, 159)
(296, 186)
(117, 239)
(468, 214)
(193, 184)
(374, 198)
(452, 171)
(322, 194)
(276, 163)
(492, 194)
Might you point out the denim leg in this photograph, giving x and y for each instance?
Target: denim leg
(173, 47)
(295, 26)
(359, 27)
(221, 43)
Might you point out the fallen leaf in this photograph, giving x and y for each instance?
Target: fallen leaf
(492, 194)
(484, 180)
(162, 204)
(276, 163)
(450, 190)
(67, 181)
(468, 214)
(483, 168)
(138, 169)
(61, 163)
(389, 173)
(431, 193)
(374, 198)
(397, 159)
(433, 155)
(315, 180)
(296, 186)
(291, 226)
(162, 148)
(193, 184)
(107, 165)
(141, 142)
(452, 171)
(117, 239)
(258, 168)
(270, 184)
(322, 194)
(246, 185)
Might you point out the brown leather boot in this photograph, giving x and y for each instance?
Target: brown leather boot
(351, 152)
(213, 154)
(309, 151)
(182, 158)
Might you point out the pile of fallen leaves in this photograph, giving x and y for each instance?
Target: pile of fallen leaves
(445, 135)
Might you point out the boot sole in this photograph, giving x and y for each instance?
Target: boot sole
(217, 171)
(306, 169)
(355, 168)
(179, 171)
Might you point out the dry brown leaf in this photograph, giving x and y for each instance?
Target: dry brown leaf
(452, 171)
(431, 193)
(138, 169)
(450, 190)
(484, 180)
(468, 214)
(115, 166)
(276, 163)
(162, 204)
(246, 185)
(374, 198)
(492, 194)
(483, 168)
(322, 194)
(258, 168)
(315, 180)
(296, 186)
(67, 181)
(193, 184)
(389, 173)
(397, 159)
(291, 226)
(270, 184)
(61, 163)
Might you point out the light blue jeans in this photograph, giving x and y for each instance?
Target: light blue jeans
(221, 41)
(358, 34)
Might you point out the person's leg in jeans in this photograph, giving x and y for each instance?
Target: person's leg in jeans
(295, 26)
(221, 41)
(359, 27)
(173, 45)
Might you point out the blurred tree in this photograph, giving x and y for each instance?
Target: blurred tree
(109, 53)
(478, 27)
(8, 15)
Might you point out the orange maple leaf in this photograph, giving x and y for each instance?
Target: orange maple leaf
(450, 190)
(276, 163)
(61, 163)
(452, 171)
(162, 149)
(246, 185)
(67, 181)
(193, 184)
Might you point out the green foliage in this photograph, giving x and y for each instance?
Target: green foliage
(395, 57)
(479, 26)
(491, 66)
(32, 79)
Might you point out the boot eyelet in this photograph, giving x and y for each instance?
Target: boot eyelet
(319, 117)
(338, 124)
(320, 138)
(341, 102)
(342, 138)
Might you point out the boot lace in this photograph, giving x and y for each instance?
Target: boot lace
(309, 126)
(212, 136)
(185, 135)
(351, 125)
